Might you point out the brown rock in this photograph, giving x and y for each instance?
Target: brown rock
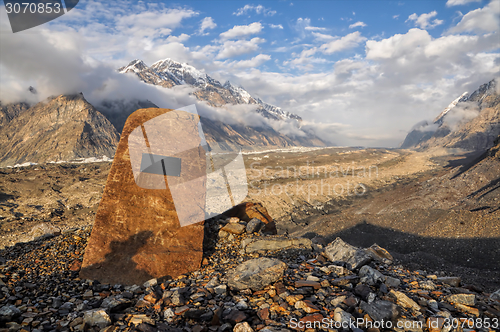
(236, 316)
(263, 314)
(137, 233)
(248, 211)
(234, 228)
(76, 265)
(307, 283)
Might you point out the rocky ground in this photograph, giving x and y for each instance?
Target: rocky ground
(247, 282)
(49, 198)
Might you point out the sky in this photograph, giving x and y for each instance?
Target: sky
(361, 72)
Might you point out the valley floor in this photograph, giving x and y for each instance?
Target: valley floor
(418, 205)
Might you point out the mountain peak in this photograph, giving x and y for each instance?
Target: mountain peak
(135, 66)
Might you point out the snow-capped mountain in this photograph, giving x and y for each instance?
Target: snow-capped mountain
(470, 122)
(168, 73)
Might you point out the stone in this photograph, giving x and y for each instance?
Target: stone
(379, 254)
(234, 228)
(381, 310)
(495, 295)
(307, 306)
(256, 273)
(452, 281)
(339, 251)
(307, 283)
(467, 309)
(138, 233)
(392, 282)
(221, 289)
(8, 312)
(371, 276)
(254, 225)
(150, 283)
(247, 211)
(97, 317)
(404, 301)
(235, 316)
(278, 244)
(466, 299)
(115, 304)
(168, 314)
(234, 220)
(242, 327)
(140, 319)
(343, 317)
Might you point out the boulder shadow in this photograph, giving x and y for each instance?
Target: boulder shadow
(119, 263)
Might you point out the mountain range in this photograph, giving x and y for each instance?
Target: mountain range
(68, 127)
(470, 122)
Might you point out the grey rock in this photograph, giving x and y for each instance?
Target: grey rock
(370, 276)
(97, 317)
(452, 281)
(392, 282)
(150, 283)
(339, 251)
(495, 295)
(8, 312)
(256, 273)
(115, 304)
(221, 289)
(254, 226)
(381, 310)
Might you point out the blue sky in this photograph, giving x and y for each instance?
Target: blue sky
(362, 72)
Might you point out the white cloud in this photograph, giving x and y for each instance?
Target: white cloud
(481, 19)
(206, 24)
(254, 62)
(177, 39)
(424, 21)
(315, 28)
(349, 41)
(450, 3)
(232, 48)
(276, 26)
(395, 17)
(322, 37)
(239, 31)
(259, 9)
(357, 24)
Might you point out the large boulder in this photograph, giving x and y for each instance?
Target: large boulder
(256, 273)
(150, 220)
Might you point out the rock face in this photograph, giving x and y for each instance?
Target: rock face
(63, 128)
(256, 273)
(471, 122)
(137, 233)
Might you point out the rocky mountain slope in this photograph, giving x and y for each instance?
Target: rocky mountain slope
(472, 122)
(169, 73)
(61, 128)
